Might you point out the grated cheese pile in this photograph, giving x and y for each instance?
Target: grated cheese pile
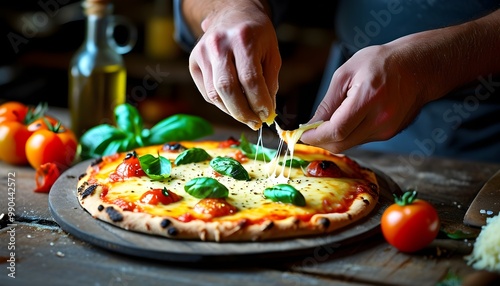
(486, 252)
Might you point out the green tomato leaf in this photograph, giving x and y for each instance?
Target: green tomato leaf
(157, 168)
(254, 151)
(286, 194)
(230, 167)
(295, 163)
(128, 119)
(177, 128)
(192, 155)
(205, 187)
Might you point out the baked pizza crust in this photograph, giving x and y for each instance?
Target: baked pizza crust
(89, 196)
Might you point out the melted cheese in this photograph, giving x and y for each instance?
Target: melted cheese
(290, 137)
(246, 196)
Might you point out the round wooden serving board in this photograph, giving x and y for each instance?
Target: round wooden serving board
(72, 218)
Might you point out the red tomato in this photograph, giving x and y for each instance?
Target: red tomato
(231, 141)
(156, 196)
(214, 207)
(56, 146)
(13, 138)
(46, 175)
(130, 167)
(410, 224)
(324, 168)
(13, 111)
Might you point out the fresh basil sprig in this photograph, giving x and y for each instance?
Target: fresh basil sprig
(157, 168)
(295, 163)
(205, 187)
(286, 194)
(192, 155)
(230, 167)
(129, 132)
(254, 151)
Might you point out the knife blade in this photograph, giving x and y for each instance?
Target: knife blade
(485, 204)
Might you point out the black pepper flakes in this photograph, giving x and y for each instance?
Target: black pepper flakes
(89, 191)
(172, 231)
(113, 214)
(164, 223)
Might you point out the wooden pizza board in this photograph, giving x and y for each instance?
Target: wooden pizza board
(72, 218)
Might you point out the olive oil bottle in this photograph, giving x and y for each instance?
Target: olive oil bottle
(97, 75)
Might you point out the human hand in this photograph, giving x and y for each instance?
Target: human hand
(236, 62)
(372, 97)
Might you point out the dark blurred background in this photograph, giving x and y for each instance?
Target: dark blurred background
(38, 39)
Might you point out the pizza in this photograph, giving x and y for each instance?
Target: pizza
(229, 190)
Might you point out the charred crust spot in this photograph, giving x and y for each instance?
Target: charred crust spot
(349, 216)
(172, 231)
(100, 208)
(88, 191)
(324, 222)
(81, 176)
(367, 202)
(268, 226)
(113, 214)
(173, 146)
(373, 187)
(242, 223)
(96, 162)
(164, 223)
(82, 187)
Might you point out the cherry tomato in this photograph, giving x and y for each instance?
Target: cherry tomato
(130, 167)
(13, 138)
(156, 196)
(410, 224)
(55, 145)
(231, 141)
(324, 168)
(13, 111)
(46, 175)
(214, 207)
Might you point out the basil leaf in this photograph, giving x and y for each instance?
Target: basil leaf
(459, 234)
(177, 128)
(205, 187)
(128, 119)
(95, 141)
(229, 167)
(157, 168)
(192, 155)
(254, 151)
(286, 194)
(295, 163)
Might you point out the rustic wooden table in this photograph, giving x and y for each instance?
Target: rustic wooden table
(45, 254)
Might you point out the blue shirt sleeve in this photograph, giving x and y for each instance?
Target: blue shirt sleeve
(182, 33)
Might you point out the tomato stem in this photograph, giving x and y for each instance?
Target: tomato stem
(406, 198)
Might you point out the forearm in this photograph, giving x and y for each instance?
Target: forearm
(199, 14)
(445, 59)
